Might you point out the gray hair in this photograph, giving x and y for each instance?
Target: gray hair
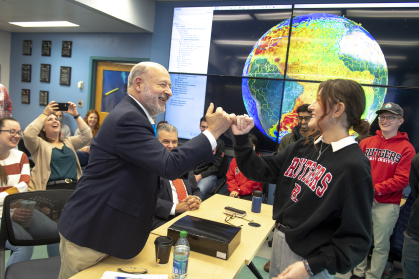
(140, 70)
(166, 127)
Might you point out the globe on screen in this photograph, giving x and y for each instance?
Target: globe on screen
(322, 47)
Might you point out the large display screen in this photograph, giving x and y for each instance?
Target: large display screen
(280, 69)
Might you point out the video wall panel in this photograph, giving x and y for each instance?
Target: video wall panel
(278, 69)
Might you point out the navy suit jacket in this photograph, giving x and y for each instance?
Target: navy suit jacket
(165, 199)
(112, 208)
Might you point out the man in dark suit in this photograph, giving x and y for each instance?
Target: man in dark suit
(175, 196)
(111, 210)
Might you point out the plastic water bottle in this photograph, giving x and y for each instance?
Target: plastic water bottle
(181, 257)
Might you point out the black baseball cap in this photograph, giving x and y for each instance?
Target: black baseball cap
(391, 107)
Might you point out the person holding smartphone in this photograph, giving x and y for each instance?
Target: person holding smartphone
(56, 162)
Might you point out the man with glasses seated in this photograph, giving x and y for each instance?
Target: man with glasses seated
(390, 154)
(299, 131)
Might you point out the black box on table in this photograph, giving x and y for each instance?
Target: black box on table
(207, 237)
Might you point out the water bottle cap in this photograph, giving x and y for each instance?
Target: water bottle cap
(257, 193)
(183, 233)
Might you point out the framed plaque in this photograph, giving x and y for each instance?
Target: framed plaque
(27, 47)
(45, 72)
(46, 48)
(43, 98)
(26, 72)
(26, 96)
(65, 75)
(66, 48)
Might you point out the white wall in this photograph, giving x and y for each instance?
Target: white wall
(5, 45)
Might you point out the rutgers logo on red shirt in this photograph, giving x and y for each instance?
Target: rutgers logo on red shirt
(311, 174)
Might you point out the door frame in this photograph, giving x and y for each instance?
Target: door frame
(93, 73)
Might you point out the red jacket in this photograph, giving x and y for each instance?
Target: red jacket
(236, 181)
(390, 165)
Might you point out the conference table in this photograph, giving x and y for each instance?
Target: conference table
(200, 265)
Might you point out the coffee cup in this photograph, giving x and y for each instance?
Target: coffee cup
(30, 205)
(163, 246)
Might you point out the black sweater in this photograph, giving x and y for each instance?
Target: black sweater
(413, 225)
(325, 204)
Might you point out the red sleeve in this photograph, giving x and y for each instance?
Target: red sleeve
(231, 176)
(24, 166)
(248, 187)
(400, 179)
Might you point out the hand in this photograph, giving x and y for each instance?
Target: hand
(193, 201)
(294, 271)
(182, 207)
(198, 177)
(218, 121)
(235, 194)
(85, 149)
(242, 125)
(374, 202)
(51, 108)
(72, 109)
(21, 215)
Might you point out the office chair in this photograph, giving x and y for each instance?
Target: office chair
(21, 146)
(40, 229)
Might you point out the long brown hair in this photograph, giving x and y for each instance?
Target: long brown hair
(352, 95)
(43, 135)
(97, 125)
(3, 174)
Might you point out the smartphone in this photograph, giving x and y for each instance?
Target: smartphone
(62, 106)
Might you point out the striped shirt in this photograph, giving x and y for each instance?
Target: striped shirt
(17, 169)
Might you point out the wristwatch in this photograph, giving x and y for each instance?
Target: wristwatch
(76, 116)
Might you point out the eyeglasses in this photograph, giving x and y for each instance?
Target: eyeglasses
(389, 118)
(231, 217)
(306, 118)
(132, 270)
(13, 132)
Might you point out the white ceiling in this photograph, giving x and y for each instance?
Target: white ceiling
(90, 20)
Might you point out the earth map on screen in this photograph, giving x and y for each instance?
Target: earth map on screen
(323, 46)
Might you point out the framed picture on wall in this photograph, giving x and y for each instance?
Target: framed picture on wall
(43, 98)
(45, 72)
(26, 96)
(65, 75)
(46, 48)
(26, 72)
(27, 47)
(66, 48)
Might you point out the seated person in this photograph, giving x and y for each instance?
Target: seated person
(92, 120)
(56, 162)
(206, 176)
(14, 178)
(177, 196)
(237, 184)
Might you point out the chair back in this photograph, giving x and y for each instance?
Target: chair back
(30, 219)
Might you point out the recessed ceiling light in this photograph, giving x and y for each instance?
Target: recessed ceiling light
(44, 24)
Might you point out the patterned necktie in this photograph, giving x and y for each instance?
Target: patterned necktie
(155, 130)
(180, 189)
